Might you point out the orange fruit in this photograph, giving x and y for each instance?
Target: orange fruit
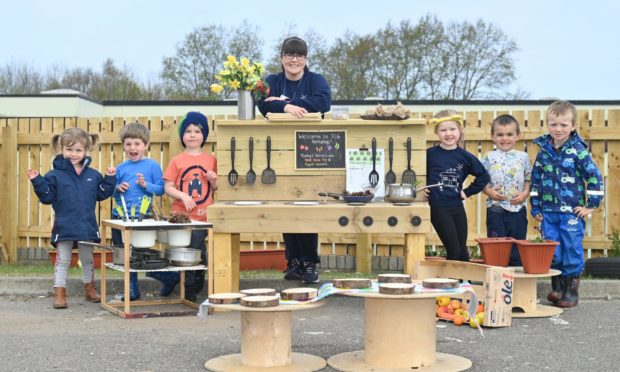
(480, 308)
(458, 321)
(455, 304)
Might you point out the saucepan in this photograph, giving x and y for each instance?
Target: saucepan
(183, 256)
(405, 192)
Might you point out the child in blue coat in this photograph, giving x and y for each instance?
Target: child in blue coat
(566, 187)
(73, 189)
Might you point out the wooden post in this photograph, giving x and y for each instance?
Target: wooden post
(413, 251)
(224, 268)
(8, 192)
(363, 253)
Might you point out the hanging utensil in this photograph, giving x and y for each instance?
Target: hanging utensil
(373, 177)
(390, 176)
(251, 176)
(269, 175)
(408, 174)
(232, 175)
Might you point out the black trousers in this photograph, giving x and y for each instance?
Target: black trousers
(303, 247)
(451, 226)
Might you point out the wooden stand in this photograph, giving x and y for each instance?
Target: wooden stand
(399, 335)
(525, 295)
(266, 342)
(127, 228)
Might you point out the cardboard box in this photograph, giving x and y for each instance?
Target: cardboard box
(493, 285)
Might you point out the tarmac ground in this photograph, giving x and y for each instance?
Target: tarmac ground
(85, 337)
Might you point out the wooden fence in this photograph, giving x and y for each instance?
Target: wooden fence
(24, 222)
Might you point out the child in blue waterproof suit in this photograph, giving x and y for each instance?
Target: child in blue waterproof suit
(136, 177)
(566, 187)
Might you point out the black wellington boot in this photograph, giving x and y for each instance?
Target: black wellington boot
(557, 288)
(571, 295)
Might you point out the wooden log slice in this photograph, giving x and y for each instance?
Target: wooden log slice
(440, 283)
(351, 283)
(258, 292)
(396, 288)
(299, 294)
(394, 278)
(260, 301)
(225, 298)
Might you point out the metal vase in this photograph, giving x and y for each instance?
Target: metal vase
(245, 105)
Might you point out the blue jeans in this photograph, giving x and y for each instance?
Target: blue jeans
(501, 222)
(568, 230)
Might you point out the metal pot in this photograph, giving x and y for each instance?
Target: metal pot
(183, 256)
(118, 255)
(400, 193)
(405, 192)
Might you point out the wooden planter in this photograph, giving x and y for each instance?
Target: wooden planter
(536, 257)
(263, 259)
(75, 256)
(496, 251)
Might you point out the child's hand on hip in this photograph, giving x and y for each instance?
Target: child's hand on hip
(463, 196)
(539, 217)
(32, 174)
(582, 212)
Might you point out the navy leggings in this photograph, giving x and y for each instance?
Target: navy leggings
(303, 247)
(451, 226)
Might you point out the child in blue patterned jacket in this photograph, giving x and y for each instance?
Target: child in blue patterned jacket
(566, 187)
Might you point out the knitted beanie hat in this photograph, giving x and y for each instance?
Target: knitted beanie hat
(196, 118)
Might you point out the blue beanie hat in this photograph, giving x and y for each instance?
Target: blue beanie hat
(196, 118)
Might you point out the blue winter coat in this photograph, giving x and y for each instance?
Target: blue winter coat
(562, 178)
(74, 199)
(311, 92)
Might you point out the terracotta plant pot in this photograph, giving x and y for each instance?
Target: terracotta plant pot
(536, 257)
(75, 256)
(263, 259)
(496, 251)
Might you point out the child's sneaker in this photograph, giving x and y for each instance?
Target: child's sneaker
(310, 274)
(293, 271)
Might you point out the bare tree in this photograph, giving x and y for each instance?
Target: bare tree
(18, 78)
(478, 60)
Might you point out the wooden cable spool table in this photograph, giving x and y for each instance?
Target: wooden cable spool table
(399, 335)
(525, 295)
(266, 341)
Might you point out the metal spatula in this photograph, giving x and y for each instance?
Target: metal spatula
(251, 176)
(269, 175)
(408, 174)
(390, 176)
(232, 175)
(373, 177)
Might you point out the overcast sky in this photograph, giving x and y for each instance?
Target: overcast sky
(568, 49)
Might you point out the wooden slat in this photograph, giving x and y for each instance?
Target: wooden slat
(23, 126)
(597, 150)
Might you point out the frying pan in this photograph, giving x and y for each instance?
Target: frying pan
(349, 198)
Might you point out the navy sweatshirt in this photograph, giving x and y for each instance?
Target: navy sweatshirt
(310, 92)
(451, 167)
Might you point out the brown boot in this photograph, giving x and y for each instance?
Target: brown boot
(90, 292)
(571, 294)
(60, 298)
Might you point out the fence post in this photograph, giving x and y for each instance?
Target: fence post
(8, 191)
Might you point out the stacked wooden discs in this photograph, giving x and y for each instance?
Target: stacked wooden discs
(259, 292)
(396, 288)
(299, 294)
(394, 278)
(225, 298)
(351, 283)
(440, 283)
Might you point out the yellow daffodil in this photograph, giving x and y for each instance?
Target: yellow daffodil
(231, 59)
(234, 84)
(216, 88)
(245, 62)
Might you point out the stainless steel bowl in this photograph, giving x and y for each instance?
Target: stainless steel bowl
(400, 193)
(183, 256)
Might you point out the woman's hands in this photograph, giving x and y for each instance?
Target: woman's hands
(297, 111)
(110, 171)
